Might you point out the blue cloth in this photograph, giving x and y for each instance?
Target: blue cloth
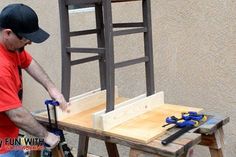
(14, 153)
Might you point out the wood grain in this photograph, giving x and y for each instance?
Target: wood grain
(148, 126)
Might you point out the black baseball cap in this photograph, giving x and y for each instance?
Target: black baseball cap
(23, 21)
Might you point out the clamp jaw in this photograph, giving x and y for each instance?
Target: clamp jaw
(187, 122)
(187, 119)
(66, 151)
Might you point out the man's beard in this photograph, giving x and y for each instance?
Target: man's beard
(21, 49)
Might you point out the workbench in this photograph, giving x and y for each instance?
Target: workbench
(209, 134)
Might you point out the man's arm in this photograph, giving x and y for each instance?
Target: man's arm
(24, 120)
(37, 72)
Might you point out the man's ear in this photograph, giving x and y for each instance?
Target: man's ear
(6, 32)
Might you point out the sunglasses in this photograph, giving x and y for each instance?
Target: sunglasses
(18, 36)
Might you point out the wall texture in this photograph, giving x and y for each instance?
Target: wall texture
(194, 45)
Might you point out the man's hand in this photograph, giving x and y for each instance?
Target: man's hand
(56, 95)
(52, 140)
(37, 72)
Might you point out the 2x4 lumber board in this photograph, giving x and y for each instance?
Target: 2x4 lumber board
(126, 112)
(148, 126)
(171, 150)
(214, 141)
(212, 124)
(81, 103)
(85, 102)
(85, 118)
(85, 94)
(97, 115)
(187, 140)
(178, 147)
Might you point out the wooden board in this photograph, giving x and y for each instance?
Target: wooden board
(138, 119)
(82, 103)
(128, 111)
(146, 127)
(84, 118)
(97, 120)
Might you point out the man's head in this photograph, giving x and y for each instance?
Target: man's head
(23, 22)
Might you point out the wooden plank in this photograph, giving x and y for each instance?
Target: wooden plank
(138, 153)
(85, 118)
(171, 150)
(126, 112)
(187, 140)
(216, 153)
(212, 124)
(154, 146)
(82, 103)
(148, 126)
(97, 115)
(214, 141)
(85, 94)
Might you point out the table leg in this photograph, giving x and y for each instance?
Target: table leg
(215, 142)
(189, 153)
(83, 146)
(112, 149)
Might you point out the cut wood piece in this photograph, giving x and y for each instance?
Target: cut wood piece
(97, 115)
(82, 102)
(84, 94)
(148, 126)
(84, 118)
(128, 111)
(85, 102)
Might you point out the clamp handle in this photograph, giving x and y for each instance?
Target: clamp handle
(54, 104)
(176, 135)
(51, 102)
(194, 116)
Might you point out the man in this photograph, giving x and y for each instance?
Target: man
(18, 28)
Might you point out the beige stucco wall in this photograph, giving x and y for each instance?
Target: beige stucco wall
(194, 45)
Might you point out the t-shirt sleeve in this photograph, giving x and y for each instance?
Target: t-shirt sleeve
(9, 98)
(25, 59)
